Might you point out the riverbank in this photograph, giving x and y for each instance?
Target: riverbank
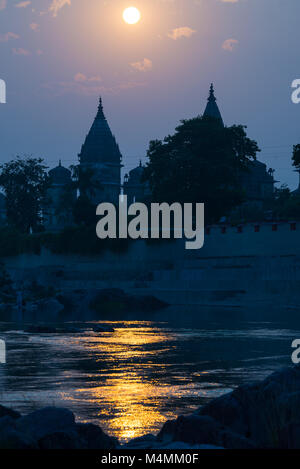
(264, 414)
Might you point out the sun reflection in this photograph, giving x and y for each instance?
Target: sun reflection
(129, 389)
(129, 396)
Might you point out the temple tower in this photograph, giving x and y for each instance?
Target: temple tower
(100, 156)
(212, 109)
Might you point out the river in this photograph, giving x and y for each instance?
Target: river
(148, 370)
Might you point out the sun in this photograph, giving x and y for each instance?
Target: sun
(131, 15)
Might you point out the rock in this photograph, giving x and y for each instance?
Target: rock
(228, 411)
(5, 411)
(192, 429)
(259, 411)
(149, 303)
(61, 440)
(231, 440)
(51, 428)
(116, 300)
(45, 422)
(12, 439)
(143, 442)
(259, 415)
(93, 437)
(289, 436)
(7, 423)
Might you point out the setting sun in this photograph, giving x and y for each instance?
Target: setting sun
(131, 15)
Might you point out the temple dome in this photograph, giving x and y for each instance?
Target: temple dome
(60, 175)
(136, 174)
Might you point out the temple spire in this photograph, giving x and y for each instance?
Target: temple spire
(212, 109)
(100, 145)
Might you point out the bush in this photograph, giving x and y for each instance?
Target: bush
(74, 240)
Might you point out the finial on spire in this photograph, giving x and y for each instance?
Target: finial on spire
(140, 163)
(59, 163)
(100, 114)
(212, 93)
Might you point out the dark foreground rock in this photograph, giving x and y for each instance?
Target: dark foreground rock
(50, 428)
(264, 414)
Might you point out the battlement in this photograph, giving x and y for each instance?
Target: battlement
(252, 239)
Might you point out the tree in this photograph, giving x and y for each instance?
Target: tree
(25, 183)
(201, 162)
(296, 156)
(286, 205)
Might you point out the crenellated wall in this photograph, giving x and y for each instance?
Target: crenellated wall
(253, 263)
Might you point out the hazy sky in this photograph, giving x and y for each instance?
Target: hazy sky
(57, 56)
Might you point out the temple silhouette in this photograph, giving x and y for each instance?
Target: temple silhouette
(100, 155)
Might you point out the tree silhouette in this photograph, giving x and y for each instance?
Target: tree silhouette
(201, 162)
(25, 183)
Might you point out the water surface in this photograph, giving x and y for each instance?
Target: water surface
(147, 371)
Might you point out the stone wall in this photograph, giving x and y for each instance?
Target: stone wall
(237, 265)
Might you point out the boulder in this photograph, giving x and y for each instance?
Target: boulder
(143, 442)
(12, 439)
(192, 429)
(116, 300)
(263, 414)
(45, 422)
(5, 411)
(259, 411)
(93, 437)
(61, 440)
(289, 436)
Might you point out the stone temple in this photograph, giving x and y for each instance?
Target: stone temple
(100, 156)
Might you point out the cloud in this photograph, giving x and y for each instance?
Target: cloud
(84, 86)
(82, 78)
(230, 1)
(143, 66)
(6, 37)
(184, 31)
(23, 4)
(230, 44)
(2, 4)
(20, 51)
(57, 5)
(34, 27)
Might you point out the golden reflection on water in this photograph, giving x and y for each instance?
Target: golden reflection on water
(130, 399)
